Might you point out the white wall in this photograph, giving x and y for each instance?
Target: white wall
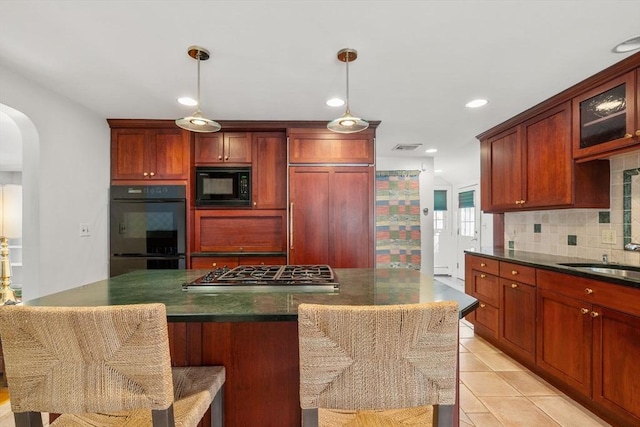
(425, 165)
(66, 181)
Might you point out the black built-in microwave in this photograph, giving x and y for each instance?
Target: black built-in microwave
(223, 186)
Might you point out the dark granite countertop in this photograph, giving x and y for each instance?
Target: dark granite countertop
(552, 262)
(358, 286)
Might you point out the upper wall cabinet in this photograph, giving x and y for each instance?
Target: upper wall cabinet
(530, 166)
(607, 118)
(222, 147)
(269, 186)
(320, 146)
(140, 152)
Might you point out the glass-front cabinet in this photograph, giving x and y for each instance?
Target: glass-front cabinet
(607, 118)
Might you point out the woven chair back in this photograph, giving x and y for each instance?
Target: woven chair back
(86, 359)
(377, 357)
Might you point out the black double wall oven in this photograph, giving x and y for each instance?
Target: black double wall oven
(147, 228)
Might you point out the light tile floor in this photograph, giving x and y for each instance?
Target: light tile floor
(495, 390)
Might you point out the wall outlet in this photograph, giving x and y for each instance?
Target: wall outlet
(609, 237)
(84, 230)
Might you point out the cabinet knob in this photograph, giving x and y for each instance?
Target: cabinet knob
(152, 174)
(482, 264)
(226, 158)
(482, 276)
(255, 203)
(214, 264)
(595, 314)
(522, 202)
(145, 174)
(514, 285)
(219, 157)
(628, 136)
(514, 272)
(482, 305)
(588, 291)
(517, 202)
(638, 132)
(584, 310)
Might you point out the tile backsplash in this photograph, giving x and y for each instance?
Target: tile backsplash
(577, 232)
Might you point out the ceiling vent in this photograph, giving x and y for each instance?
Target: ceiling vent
(406, 147)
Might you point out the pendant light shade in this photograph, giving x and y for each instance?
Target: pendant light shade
(196, 122)
(347, 123)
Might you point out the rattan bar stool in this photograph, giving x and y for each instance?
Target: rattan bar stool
(378, 365)
(102, 366)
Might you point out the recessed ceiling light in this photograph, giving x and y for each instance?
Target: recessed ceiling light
(185, 100)
(431, 150)
(476, 103)
(628, 45)
(335, 102)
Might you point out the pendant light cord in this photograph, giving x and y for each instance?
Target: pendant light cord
(198, 81)
(347, 61)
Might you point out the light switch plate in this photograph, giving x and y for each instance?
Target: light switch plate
(84, 230)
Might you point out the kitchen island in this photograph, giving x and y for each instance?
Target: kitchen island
(253, 334)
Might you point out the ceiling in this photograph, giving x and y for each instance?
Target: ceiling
(418, 62)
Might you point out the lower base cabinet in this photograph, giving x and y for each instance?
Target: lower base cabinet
(231, 261)
(580, 334)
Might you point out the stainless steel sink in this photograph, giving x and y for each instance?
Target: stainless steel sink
(618, 270)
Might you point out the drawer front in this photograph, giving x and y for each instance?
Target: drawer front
(517, 272)
(617, 297)
(486, 265)
(486, 287)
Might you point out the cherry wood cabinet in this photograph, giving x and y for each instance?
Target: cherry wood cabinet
(236, 230)
(607, 118)
(141, 153)
(331, 216)
(482, 282)
(269, 182)
(588, 337)
(517, 309)
(319, 146)
(530, 166)
(222, 147)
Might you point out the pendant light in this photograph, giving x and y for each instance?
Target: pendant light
(347, 123)
(196, 122)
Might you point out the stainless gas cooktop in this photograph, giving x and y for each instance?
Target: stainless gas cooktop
(270, 278)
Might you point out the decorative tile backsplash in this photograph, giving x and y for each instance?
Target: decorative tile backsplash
(577, 232)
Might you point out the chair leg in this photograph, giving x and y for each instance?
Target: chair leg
(162, 417)
(217, 409)
(28, 419)
(310, 417)
(443, 415)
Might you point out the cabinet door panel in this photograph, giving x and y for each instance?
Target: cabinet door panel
(319, 146)
(237, 147)
(616, 352)
(352, 217)
(269, 189)
(506, 171)
(549, 164)
(171, 154)
(309, 216)
(487, 320)
(517, 318)
(563, 339)
(486, 287)
(208, 148)
(128, 153)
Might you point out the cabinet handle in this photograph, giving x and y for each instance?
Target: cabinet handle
(482, 305)
(514, 285)
(291, 226)
(152, 174)
(588, 291)
(482, 264)
(628, 136)
(595, 314)
(514, 272)
(482, 276)
(584, 310)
